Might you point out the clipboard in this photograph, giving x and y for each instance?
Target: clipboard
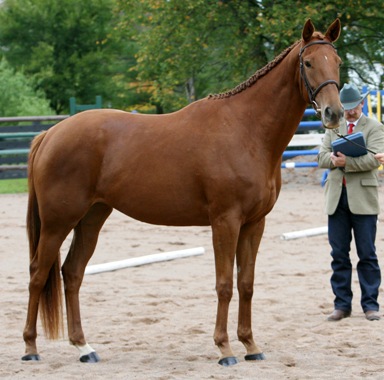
(354, 148)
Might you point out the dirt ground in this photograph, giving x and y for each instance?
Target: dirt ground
(156, 321)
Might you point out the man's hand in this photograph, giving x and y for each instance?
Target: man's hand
(380, 157)
(338, 160)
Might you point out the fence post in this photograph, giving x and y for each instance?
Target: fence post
(74, 108)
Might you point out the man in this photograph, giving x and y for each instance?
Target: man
(352, 204)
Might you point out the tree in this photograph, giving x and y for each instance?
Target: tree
(185, 50)
(70, 48)
(360, 44)
(159, 55)
(18, 97)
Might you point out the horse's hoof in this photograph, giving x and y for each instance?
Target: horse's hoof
(92, 357)
(230, 360)
(31, 357)
(259, 356)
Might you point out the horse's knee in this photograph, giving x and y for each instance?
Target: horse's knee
(224, 291)
(245, 290)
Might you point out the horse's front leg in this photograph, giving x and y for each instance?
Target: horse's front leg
(248, 245)
(225, 233)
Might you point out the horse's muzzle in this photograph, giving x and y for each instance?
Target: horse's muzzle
(331, 117)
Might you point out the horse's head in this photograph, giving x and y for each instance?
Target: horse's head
(319, 72)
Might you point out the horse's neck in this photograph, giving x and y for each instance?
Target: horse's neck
(274, 104)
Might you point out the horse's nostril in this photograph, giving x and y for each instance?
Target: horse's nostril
(332, 115)
(328, 113)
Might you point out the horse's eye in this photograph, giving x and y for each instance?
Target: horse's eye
(307, 64)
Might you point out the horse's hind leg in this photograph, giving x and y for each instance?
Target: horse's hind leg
(82, 247)
(248, 245)
(44, 287)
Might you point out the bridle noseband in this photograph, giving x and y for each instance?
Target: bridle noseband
(312, 93)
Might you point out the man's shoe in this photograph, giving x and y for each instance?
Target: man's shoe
(372, 315)
(337, 315)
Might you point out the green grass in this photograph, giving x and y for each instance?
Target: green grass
(13, 186)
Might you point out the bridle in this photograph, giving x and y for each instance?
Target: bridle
(312, 93)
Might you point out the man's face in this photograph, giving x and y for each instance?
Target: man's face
(354, 114)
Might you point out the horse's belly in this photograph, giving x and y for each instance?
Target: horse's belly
(163, 214)
(163, 205)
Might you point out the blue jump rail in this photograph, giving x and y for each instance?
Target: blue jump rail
(290, 165)
(310, 124)
(295, 153)
(309, 112)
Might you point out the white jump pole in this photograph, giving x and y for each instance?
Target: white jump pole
(149, 259)
(304, 233)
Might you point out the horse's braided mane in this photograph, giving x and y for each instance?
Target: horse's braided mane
(257, 75)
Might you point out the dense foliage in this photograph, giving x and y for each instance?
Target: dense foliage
(158, 55)
(69, 47)
(18, 96)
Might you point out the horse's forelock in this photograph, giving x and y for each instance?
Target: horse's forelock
(318, 36)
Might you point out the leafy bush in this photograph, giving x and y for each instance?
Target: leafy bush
(17, 96)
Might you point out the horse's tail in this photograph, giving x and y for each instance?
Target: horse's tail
(50, 303)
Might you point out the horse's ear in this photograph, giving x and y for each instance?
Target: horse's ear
(334, 30)
(308, 30)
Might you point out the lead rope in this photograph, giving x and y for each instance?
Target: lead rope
(352, 142)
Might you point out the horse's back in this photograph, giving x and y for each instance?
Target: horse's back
(139, 164)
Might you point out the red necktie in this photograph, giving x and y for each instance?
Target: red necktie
(350, 130)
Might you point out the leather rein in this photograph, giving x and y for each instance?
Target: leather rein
(312, 93)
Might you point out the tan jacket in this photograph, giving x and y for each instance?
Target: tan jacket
(360, 172)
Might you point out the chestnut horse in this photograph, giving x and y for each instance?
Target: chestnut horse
(215, 162)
